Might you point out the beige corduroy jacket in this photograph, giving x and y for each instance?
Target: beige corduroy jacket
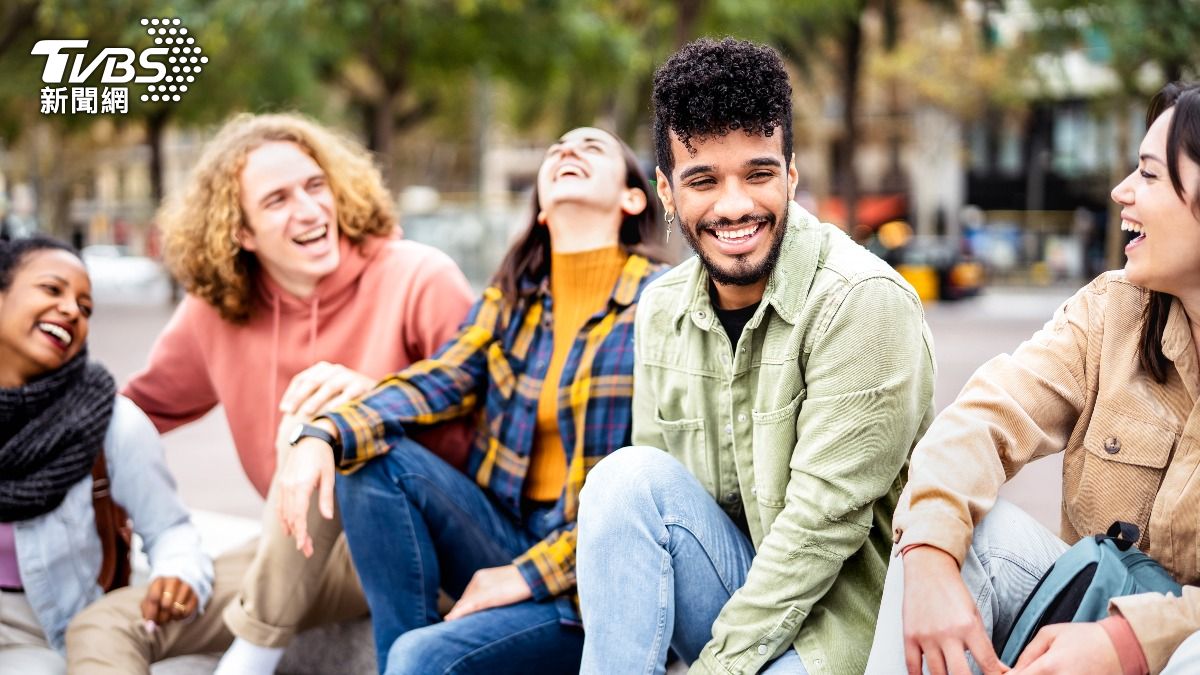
(1131, 446)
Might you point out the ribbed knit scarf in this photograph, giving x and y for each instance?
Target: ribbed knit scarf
(50, 431)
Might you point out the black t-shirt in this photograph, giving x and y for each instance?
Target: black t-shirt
(733, 320)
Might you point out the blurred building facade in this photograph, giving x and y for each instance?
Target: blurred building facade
(1019, 178)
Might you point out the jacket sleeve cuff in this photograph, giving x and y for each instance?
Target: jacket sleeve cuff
(933, 528)
(707, 664)
(356, 444)
(1160, 622)
(1129, 652)
(533, 578)
(346, 440)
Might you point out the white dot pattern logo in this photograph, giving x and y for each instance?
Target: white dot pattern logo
(171, 36)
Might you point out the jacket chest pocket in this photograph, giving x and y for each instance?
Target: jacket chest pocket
(1123, 465)
(774, 441)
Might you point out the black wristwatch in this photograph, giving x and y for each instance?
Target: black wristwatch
(304, 430)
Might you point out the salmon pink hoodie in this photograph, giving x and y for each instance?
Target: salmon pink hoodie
(388, 304)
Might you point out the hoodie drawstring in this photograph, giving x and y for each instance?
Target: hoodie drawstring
(273, 402)
(312, 329)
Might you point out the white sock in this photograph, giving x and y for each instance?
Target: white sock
(247, 658)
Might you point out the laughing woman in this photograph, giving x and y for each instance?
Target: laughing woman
(1113, 383)
(544, 365)
(59, 415)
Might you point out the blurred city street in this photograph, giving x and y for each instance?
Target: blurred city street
(973, 146)
(966, 334)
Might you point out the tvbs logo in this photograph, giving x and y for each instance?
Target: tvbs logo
(117, 61)
(174, 61)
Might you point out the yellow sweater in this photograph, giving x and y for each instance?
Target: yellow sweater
(581, 285)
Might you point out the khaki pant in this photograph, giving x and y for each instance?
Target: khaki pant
(23, 645)
(264, 592)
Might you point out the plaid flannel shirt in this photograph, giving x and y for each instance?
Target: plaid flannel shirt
(494, 367)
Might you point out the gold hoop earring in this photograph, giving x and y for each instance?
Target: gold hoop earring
(670, 219)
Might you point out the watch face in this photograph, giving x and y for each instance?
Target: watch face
(294, 437)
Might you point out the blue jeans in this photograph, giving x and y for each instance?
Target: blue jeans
(414, 524)
(656, 561)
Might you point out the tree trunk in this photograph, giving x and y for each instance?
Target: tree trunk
(1114, 238)
(156, 124)
(685, 25)
(848, 149)
(381, 132)
(384, 131)
(51, 187)
(19, 20)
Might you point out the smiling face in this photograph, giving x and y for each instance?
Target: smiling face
(585, 167)
(732, 196)
(291, 216)
(1166, 254)
(43, 315)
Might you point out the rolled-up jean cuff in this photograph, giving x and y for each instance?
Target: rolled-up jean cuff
(246, 627)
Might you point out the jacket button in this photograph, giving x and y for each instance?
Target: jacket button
(762, 650)
(1112, 445)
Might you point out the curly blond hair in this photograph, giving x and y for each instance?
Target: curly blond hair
(200, 222)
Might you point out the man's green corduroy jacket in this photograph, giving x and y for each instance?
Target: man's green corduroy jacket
(806, 424)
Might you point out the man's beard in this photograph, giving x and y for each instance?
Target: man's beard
(742, 272)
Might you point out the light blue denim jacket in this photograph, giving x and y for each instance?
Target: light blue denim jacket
(59, 552)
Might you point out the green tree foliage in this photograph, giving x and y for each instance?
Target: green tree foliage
(1126, 34)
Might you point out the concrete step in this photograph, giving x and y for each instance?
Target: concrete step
(336, 649)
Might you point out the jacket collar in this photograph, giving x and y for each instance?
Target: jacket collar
(787, 287)
(1177, 345)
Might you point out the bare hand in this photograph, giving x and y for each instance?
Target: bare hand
(323, 386)
(168, 599)
(941, 622)
(491, 587)
(306, 467)
(1069, 648)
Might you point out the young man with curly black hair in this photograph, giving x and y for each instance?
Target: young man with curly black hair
(786, 374)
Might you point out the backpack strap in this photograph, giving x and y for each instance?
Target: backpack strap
(112, 525)
(1122, 534)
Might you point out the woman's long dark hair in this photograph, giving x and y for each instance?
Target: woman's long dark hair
(529, 257)
(1183, 134)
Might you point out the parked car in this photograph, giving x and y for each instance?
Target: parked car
(936, 267)
(953, 274)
